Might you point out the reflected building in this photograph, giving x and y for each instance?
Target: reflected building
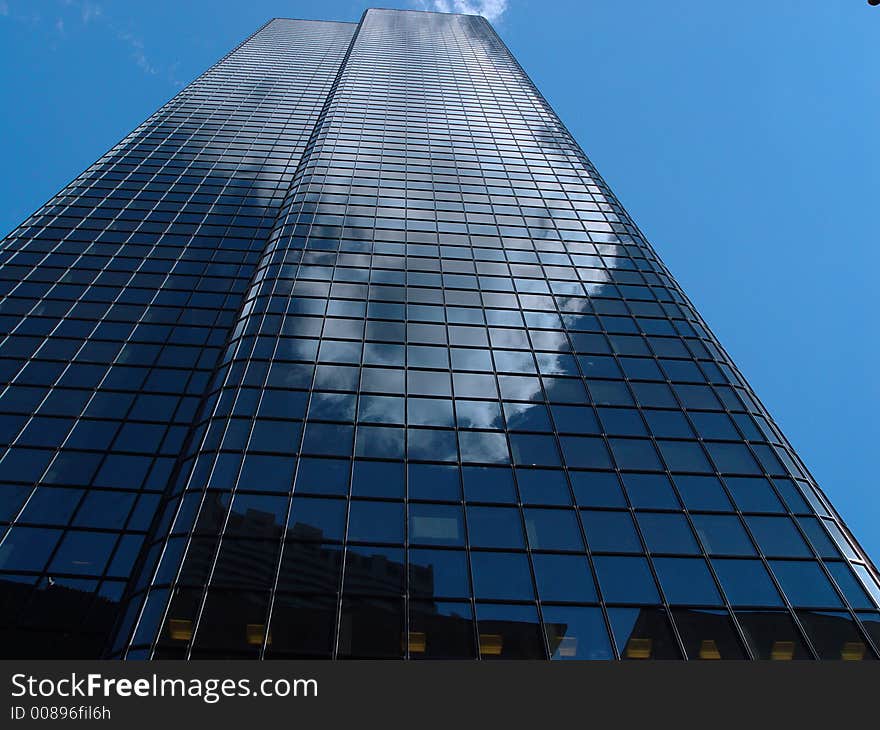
(349, 352)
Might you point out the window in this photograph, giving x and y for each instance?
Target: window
(543, 486)
(502, 576)
(746, 582)
(441, 630)
(317, 519)
(650, 491)
(371, 628)
(564, 578)
(488, 484)
(438, 573)
(778, 536)
(804, 583)
(435, 524)
(753, 495)
(509, 632)
(27, 548)
(625, 580)
(708, 634)
(553, 529)
(667, 533)
(723, 535)
(375, 521)
(687, 581)
(643, 633)
(498, 527)
(610, 531)
(430, 481)
(772, 635)
(377, 479)
(834, 635)
(576, 632)
(702, 493)
(597, 489)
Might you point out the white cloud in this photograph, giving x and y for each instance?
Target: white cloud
(491, 10)
(88, 11)
(136, 46)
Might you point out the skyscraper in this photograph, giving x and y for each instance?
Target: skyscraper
(348, 351)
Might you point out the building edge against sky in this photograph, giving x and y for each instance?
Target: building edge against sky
(348, 351)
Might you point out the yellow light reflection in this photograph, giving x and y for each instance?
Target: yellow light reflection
(782, 651)
(709, 649)
(638, 649)
(491, 644)
(180, 629)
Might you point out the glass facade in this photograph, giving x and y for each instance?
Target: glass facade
(349, 352)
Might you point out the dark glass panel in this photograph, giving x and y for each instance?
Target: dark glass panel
(834, 635)
(643, 633)
(441, 630)
(509, 632)
(371, 628)
(576, 632)
(772, 635)
(708, 634)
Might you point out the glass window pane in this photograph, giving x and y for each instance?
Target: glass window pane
(852, 589)
(481, 447)
(534, 449)
(377, 479)
(433, 481)
(772, 635)
(323, 476)
(502, 576)
(610, 531)
(650, 491)
(27, 548)
(778, 536)
(746, 582)
(375, 521)
(496, 527)
(635, 454)
(441, 630)
(371, 628)
(667, 533)
(317, 519)
(625, 580)
(702, 493)
(233, 623)
(310, 567)
(435, 524)
(302, 627)
(723, 535)
(374, 570)
(687, 581)
(575, 632)
(543, 486)
(585, 452)
(438, 574)
(597, 489)
(834, 635)
(804, 583)
(708, 634)
(509, 632)
(553, 529)
(753, 495)
(488, 484)
(643, 633)
(564, 578)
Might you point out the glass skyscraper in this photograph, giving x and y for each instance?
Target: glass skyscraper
(348, 352)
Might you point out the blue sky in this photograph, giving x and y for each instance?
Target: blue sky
(741, 136)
